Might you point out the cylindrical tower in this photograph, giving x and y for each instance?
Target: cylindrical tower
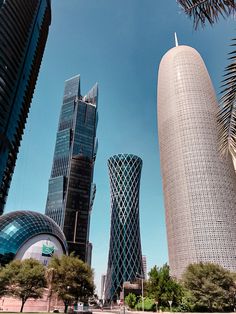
(199, 186)
(125, 256)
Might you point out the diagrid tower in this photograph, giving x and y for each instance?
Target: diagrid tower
(199, 186)
(125, 256)
(71, 191)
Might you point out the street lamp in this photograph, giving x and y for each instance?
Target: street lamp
(156, 306)
(141, 277)
(124, 297)
(123, 293)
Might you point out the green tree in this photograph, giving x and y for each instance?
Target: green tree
(23, 279)
(72, 279)
(212, 287)
(162, 287)
(203, 11)
(149, 304)
(3, 283)
(131, 300)
(187, 302)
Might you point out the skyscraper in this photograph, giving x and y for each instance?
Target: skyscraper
(71, 191)
(103, 281)
(199, 186)
(125, 256)
(23, 33)
(144, 261)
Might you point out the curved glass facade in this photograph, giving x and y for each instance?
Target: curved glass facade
(18, 227)
(71, 191)
(23, 35)
(125, 256)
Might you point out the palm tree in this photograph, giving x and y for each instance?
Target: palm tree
(203, 11)
(227, 111)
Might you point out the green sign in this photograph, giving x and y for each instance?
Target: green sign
(47, 250)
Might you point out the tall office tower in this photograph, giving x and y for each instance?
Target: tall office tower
(89, 253)
(144, 261)
(125, 257)
(24, 28)
(103, 281)
(199, 186)
(71, 191)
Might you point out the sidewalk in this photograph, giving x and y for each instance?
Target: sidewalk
(140, 312)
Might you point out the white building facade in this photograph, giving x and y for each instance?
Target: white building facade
(199, 185)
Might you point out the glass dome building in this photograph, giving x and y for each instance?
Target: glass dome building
(25, 234)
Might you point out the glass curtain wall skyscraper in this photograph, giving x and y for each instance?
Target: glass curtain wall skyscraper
(24, 29)
(199, 185)
(71, 191)
(125, 256)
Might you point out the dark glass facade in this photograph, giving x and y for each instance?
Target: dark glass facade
(18, 227)
(71, 191)
(125, 256)
(24, 28)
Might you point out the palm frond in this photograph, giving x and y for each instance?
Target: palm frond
(203, 11)
(227, 113)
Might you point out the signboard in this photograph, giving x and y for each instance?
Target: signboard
(47, 250)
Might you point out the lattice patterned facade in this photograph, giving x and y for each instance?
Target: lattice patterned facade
(125, 257)
(199, 186)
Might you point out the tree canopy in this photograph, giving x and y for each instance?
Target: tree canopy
(131, 300)
(72, 279)
(147, 303)
(3, 283)
(162, 287)
(212, 287)
(23, 279)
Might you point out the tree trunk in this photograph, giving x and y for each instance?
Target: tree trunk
(210, 306)
(66, 307)
(22, 305)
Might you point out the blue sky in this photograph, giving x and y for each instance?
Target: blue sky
(118, 44)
